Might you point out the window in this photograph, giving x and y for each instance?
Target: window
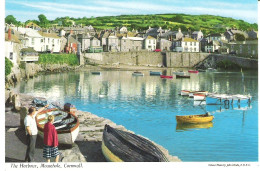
(195, 49)
(32, 41)
(42, 40)
(11, 55)
(52, 40)
(191, 43)
(185, 43)
(149, 41)
(48, 40)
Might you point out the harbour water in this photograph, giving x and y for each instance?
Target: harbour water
(148, 105)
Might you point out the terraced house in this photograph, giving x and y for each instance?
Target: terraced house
(244, 48)
(50, 42)
(186, 45)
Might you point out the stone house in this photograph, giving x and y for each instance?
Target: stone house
(216, 36)
(136, 43)
(123, 29)
(172, 35)
(244, 48)
(165, 45)
(103, 40)
(253, 34)
(186, 45)
(150, 43)
(203, 43)
(94, 42)
(213, 46)
(124, 44)
(230, 34)
(196, 35)
(84, 40)
(112, 43)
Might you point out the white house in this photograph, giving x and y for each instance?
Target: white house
(123, 29)
(12, 47)
(50, 42)
(186, 45)
(112, 43)
(32, 38)
(197, 35)
(150, 43)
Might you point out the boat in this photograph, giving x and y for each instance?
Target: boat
(201, 70)
(211, 70)
(155, 73)
(178, 72)
(191, 94)
(199, 97)
(195, 118)
(191, 126)
(218, 99)
(182, 76)
(122, 146)
(137, 74)
(65, 122)
(185, 92)
(166, 76)
(193, 71)
(95, 73)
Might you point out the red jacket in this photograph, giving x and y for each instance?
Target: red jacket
(50, 135)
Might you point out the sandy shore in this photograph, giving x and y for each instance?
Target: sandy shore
(87, 147)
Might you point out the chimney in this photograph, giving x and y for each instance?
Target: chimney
(179, 29)
(9, 35)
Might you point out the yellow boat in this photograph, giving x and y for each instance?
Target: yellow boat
(191, 126)
(195, 118)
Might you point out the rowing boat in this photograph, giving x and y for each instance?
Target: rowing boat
(166, 76)
(191, 94)
(199, 96)
(193, 71)
(185, 92)
(137, 74)
(194, 118)
(155, 73)
(95, 73)
(122, 146)
(182, 76)
(178, 72)
(65, 122)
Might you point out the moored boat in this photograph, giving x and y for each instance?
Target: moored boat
(155, 73)
(185, 92)
(191, 94)
(195, 118)
(122, 146)
(199, 96)
(65, 122)
(211, 70)
(178, 72)
(182, 76)
(95, 73)
(193, 71)
(137, 74)
(166, 76)
(218, 99)
(201, 70)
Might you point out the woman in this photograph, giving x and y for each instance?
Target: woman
(50, 139)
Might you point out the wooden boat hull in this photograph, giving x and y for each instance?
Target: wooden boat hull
(67, 132)
(182, 76)
(121, 146)
(194, 118)
(166, 76)
(199, 97)
(155, 73)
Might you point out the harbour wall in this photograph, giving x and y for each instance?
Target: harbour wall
(168, 59)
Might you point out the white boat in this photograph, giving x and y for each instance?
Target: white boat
(185, 92)
(178, 73)
(66, 124)
(137, 74)
(199, 97)
(211, 70)
(191, 94)
(217, 99)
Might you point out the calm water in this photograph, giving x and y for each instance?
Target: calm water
(148, 106)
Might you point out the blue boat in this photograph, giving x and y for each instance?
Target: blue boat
(155, 73)
(95, 73)
(220, 99)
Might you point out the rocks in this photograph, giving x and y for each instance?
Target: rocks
(72, 155)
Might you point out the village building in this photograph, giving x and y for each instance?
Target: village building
(196, 35)
(51, 42)
(84, 40)
(112, 43)
(216, 36)
(28, 55)
(186, 45)
(230, 34)
(213, 46)
(150, 43)
(243, 48)
(123, 29)
(165, 45)
(253, 34)
(12, 47)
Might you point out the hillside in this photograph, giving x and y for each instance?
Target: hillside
(207, 23)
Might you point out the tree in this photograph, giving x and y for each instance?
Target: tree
(44, 22)
(178, 18)
(10, 20)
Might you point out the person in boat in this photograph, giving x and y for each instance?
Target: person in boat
(31, 132)
(50, 149)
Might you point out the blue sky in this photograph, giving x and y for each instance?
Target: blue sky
(30, 9)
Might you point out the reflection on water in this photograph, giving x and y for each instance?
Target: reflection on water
(148, 105)
(189, 126)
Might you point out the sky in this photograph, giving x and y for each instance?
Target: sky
(24, 10)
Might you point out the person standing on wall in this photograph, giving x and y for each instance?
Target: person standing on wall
(50, 139)
(31, 132)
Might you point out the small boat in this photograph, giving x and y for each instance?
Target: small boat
(199, 97)
(137, 74)
(182, 76)
(155, 73)
(218, 99)
(191, 94)
(178, 72)
(195, 118)
(185, 92)
(166, 76)
(95, 73)
(193, 71)
(122, 146)
(201, 70)
(211, 70)
(66, 124)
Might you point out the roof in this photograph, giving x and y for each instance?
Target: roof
(149, 37)
(72, 40)
(187, 39)
(32, 24)
(29, 49)
(52, 35)
(136, 38)
(14, 38)
(28, 31)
